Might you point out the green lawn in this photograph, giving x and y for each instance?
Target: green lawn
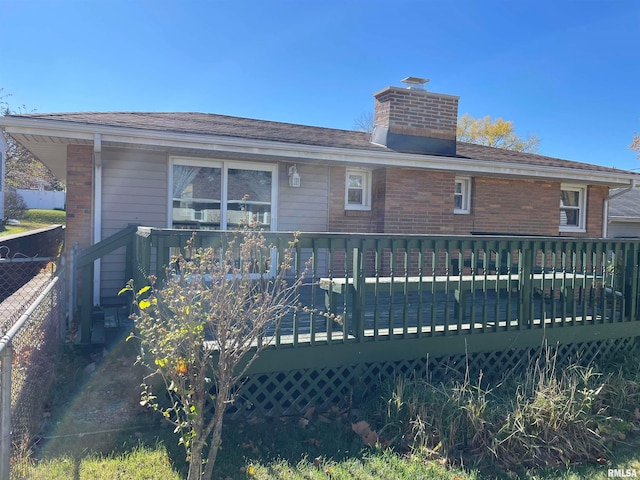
(319, 445)
(256, 456)
(34, 219)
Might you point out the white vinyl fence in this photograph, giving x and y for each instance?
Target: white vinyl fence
(43, 199)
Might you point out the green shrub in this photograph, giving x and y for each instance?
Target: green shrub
(45, 216)
(14, 204)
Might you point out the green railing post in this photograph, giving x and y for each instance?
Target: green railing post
(634, 281)
(86, 303)
(526, 259)
(129, 262)
(142, 259)
(630, 281)
(162, 257)
(359, 292)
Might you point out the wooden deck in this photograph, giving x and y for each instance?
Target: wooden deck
(415, 303)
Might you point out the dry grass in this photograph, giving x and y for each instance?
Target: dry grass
(546, 417)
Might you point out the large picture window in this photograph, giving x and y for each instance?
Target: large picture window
(222, 195)
(573, 200)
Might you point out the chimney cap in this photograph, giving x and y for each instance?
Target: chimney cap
(416, 83)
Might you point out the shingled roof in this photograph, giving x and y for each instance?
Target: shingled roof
(247, 128)
(626, 205)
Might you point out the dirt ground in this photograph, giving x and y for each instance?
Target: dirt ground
(95, 403)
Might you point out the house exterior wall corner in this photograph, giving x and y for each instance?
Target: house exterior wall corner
(596, 195)
(79, 195)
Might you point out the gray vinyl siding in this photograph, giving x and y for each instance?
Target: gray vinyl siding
(623, 229)
(304, 208)
(134, 190)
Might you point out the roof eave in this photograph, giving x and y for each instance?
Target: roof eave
(168, 139)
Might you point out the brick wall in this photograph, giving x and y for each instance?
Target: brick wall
(79, 195)
(515, 206)
(596, 195)
(417, 112)
(354, 221)
(416, 201)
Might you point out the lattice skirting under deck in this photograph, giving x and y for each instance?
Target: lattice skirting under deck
(294, 392)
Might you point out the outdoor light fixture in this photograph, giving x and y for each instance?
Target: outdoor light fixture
(294, 177)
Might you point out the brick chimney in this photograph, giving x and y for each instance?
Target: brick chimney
(413, 120)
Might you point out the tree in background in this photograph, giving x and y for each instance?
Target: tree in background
(364, 123)
(4, 104)
(23, 169)
(497, 133)
(204, 327)
(635, 145)
(14, 205)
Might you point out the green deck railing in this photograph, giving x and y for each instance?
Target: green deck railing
(84, 265)
(388, 287)
(391, 287)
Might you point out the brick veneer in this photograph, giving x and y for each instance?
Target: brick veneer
(596, 195)
(417, 112)
(418, 201)
(79, 195)
(353, 221)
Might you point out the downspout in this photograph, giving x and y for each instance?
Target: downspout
(97, 211)
(605, 207)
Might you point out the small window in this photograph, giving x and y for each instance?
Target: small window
(572, 208)
(357, 190)
(462, 195)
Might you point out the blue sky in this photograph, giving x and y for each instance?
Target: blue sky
(566, 70)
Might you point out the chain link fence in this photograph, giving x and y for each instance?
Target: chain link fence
(32, 316)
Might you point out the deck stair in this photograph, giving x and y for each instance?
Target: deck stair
(111, 320)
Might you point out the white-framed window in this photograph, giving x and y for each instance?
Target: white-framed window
(357, 189)
(214, 195)
(462, 195)
(573, 208)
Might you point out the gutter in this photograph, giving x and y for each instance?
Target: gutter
(605, 206)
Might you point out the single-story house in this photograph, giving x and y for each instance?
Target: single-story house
(624, 213)
(205, 171)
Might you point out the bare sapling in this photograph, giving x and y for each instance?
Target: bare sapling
(202, 328)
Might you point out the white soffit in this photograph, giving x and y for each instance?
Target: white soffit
(53, 156)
